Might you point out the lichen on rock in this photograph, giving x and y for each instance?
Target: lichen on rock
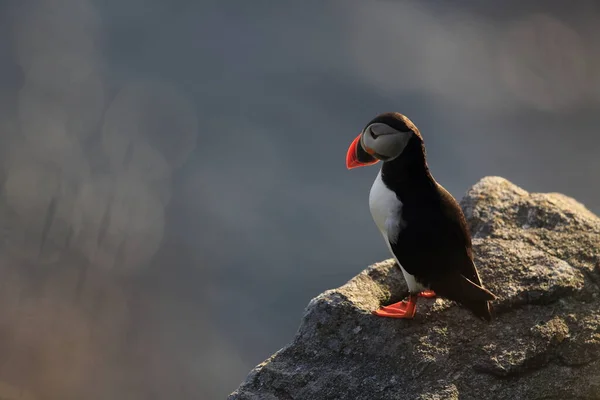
(539, 253)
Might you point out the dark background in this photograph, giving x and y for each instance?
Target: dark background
(173, 181)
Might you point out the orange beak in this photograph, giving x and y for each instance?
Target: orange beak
(353, 157)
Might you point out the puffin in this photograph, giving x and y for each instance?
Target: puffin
(422, 224)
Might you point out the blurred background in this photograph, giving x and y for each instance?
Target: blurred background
(173, 187)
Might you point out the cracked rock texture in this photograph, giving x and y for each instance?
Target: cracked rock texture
(540, 253)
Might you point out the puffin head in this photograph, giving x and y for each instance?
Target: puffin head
(383, 139)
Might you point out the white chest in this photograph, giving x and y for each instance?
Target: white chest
(385, 209)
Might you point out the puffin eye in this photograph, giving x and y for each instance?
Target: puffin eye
(371, 133)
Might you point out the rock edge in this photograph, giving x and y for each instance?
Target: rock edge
(540, 253)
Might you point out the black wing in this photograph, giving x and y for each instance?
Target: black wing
(435, 247)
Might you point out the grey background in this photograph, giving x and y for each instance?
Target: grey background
(173, 180)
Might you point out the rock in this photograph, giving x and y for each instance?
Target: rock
(539, 253)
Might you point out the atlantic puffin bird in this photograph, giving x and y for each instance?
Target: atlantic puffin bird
(422, 224)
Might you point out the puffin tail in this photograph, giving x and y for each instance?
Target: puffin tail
(472, 296)
(482, 310)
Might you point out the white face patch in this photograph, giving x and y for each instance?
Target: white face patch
(381, 129)
(385, 140)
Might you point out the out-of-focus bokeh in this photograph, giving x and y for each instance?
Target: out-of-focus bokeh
(173, 188)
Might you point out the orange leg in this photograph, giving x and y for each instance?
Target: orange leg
(404, 309)
(428, 294)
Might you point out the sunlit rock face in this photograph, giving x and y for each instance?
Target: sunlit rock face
(540, 253)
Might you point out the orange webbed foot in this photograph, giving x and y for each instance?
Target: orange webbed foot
(405, 309)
